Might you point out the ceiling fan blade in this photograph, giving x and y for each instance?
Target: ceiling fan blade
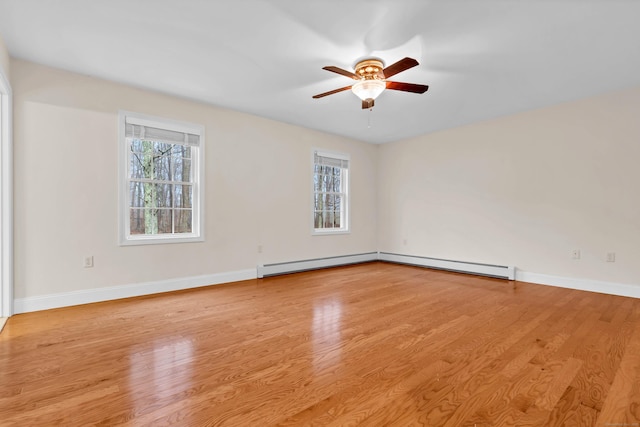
(331, 92)
(407, 87)
(402, 65)
(367, 103)
(341, 72)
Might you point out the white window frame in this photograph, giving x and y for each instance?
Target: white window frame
(197, 156)
(346, 205)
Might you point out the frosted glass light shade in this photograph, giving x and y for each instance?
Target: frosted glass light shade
(368, 89)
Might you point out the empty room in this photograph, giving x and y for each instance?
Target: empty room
(278, 212)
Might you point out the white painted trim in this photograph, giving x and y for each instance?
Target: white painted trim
(6, 199)
(66, 299)
(512, 273)
(151, 121)
(314, 264)
(502, 271)
(610, 288)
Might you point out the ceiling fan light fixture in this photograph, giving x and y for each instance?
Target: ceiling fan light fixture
(371, 77)
(368, 89)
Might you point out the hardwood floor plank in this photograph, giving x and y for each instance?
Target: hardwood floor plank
(372, 344)
(569, 411)
(622, 402)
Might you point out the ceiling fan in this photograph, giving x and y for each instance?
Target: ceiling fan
(371, 79)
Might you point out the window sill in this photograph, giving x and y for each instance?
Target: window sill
(160, 240)
(330, 232)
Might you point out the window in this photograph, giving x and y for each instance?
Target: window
(161, 171)
(330, 193)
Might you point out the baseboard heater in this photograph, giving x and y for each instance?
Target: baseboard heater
(267, 270)
(500, 271)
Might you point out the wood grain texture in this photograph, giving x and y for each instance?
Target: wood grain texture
(371, 344)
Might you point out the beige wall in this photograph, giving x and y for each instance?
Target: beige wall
(4, 59)
(257, 188)
(523, 190)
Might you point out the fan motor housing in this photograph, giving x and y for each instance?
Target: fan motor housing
(370, 69)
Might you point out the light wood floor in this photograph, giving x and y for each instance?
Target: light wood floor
(373, 344)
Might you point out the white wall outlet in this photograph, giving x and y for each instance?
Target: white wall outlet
(88, 261)
(575, 254)
(611, 257)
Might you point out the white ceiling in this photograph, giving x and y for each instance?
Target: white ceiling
(481, 59)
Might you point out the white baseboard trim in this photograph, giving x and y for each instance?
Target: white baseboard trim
(314, 264)
(501, 271)
(66, 299)
(610, 288)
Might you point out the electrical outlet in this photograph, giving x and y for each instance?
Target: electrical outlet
(88, 261)
(575, 254)
(611, 257)
(259, 249)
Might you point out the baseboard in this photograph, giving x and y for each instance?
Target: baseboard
(610, 288)
(66, 299)
(314, 264)
(501, 271)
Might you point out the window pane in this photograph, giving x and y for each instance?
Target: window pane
(181, 151)
(161, 148)
(136, 145)
(162, 168)
(150, 195)
(136, 221)
(165, 221)
(329, 201)
(141, 146)
(182, 170)
(163, 197)
(183, 219)
(337, 181)
(327, 183)
(135, 166)
(336, 220)
(328, 220)
(184, 196)
(144, 221)
(140, 166)
(136, 194)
